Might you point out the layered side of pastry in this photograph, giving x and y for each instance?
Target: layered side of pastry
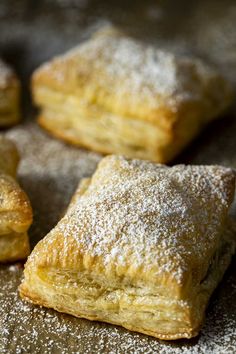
(9, 96)
(15, 208)
(113, 94)
(141, 245)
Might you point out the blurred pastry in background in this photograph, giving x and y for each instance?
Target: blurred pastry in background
(15, 208)
(141, 245)
(9, 96)
(113, 94)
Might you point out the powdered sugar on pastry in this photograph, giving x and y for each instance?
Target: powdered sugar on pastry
(141, 245)
(143, 212)
(132, 69)
(153, 73)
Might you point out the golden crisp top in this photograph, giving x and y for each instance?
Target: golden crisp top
(127, 77)
(150, 217)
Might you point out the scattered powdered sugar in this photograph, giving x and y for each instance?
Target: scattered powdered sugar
(25, 328)
(13, 268)
(142, 214)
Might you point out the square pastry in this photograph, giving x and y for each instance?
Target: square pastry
(141, 245)
(113, 94)
(15, 209)
(9, 96)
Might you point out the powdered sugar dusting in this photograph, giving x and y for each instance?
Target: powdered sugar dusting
(133, 69)
(139, 213)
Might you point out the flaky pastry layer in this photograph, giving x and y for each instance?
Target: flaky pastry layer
(108, 91)
(131, 249)
(137, 309)
(93, 128)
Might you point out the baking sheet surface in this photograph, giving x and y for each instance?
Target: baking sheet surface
(30, 33)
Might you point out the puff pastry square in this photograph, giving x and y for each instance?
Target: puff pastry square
(9, 96)
(15, 209)
(142, 246)
(113, 94)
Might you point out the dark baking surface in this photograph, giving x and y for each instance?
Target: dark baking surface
(30, 33)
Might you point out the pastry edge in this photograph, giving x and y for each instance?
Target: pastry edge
(188, 333)
(156, 157)
(34, 299)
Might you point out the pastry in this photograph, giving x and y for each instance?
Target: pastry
(9, 96)
(15, 209)
(113, 94)
(9, 157)
(142, 245)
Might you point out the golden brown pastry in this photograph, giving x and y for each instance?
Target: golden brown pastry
(15, 209)
(115, 95)
(142, 246)
(9, 96)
